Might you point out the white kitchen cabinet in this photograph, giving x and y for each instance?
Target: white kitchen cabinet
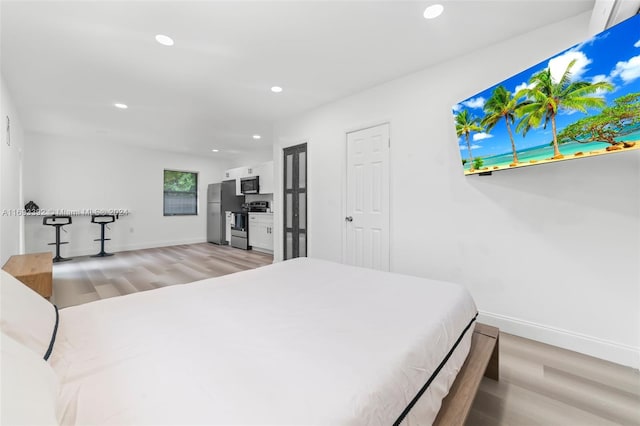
(263, 170)
(235, 174)
(261, 231)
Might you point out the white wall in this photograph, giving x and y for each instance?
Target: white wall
(11, 241)
(548, 252)
(78, 175)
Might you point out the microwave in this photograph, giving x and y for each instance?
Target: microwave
(250, 185)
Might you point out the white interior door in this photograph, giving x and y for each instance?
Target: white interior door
(367, 215)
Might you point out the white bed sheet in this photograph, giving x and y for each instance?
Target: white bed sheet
(302, 342)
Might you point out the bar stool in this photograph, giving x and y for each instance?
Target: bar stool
(102, 220)
(58, 222)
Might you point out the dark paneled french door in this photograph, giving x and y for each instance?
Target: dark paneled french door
(295, 202)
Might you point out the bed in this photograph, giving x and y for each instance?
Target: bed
(302, 342)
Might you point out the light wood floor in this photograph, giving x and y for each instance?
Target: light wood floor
(545, 385)
(85, 279)
(539, 384)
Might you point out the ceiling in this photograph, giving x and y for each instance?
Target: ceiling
(67, 62)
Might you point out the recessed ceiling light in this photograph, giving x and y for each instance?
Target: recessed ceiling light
(215, 150)
(433, 11)
(164, 40)
(257, 136)
(121, 106)
(276, 89)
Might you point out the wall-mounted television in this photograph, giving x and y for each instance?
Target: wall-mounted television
(583, 102)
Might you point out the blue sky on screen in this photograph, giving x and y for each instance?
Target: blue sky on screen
(613, 56)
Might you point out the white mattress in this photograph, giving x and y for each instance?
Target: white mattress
(302, 342)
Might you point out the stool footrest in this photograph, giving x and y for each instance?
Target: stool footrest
(102, 254)
(100, 239)
(53, 244)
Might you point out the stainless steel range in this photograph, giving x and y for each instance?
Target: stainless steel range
(240, 230)
(258, 206)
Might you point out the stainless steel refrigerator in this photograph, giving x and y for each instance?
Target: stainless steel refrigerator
(221, 197)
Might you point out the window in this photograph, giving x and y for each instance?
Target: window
(180, 193)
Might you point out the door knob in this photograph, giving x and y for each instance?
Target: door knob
(349, 219)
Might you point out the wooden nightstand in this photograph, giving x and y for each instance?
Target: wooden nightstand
(35, 270)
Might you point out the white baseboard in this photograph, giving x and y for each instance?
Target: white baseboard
(593, 346)
(261, 250)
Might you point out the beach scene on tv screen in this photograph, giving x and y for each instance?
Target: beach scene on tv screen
(583, 102)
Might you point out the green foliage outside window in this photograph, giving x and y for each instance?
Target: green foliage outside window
(180, 181)
(180, 193)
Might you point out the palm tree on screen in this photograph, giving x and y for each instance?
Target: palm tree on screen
(547, 97)
(501, 105)
(465, 124)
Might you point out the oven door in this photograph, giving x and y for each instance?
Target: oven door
(240, 221)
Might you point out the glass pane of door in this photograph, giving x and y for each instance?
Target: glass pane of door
(303, 244)
(289, 172)
(289, 245)
(302, 214)
(289, 222)
(302, 172)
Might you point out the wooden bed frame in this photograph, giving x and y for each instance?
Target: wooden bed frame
(482, 360)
